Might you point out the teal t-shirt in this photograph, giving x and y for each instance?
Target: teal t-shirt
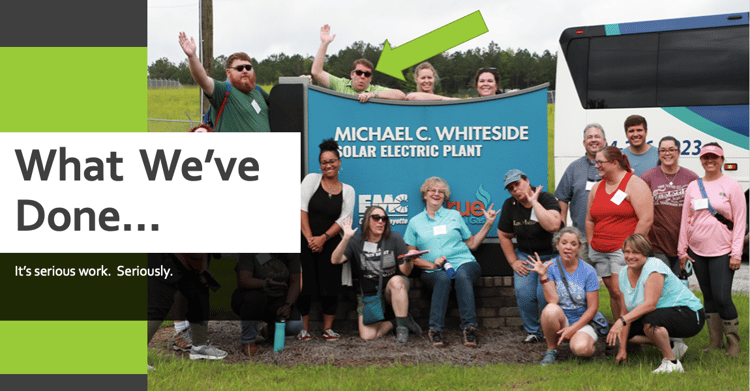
(242, 112)
(443, 236)
(673, 294)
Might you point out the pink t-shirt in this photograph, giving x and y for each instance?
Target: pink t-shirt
(701, 231)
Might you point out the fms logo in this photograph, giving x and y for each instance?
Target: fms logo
(473, 210)
(396, 207)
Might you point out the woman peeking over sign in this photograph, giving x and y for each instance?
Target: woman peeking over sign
(426, 76)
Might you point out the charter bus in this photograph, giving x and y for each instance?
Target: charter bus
(688, 77)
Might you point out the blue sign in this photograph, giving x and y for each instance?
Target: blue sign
(388, 150)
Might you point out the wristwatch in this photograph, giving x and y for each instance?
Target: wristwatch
(376, 93)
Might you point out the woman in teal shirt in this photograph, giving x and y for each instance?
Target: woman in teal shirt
(658, 306)
(444, 232)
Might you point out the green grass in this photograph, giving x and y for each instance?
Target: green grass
(704, 371)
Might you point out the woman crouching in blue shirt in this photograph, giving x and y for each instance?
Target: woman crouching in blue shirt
(658, 306)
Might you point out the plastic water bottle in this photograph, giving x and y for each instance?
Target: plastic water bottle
(449, 270)
(278, 338)
(684, 274)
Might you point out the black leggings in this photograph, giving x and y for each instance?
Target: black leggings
(330, 304)
(715, 279)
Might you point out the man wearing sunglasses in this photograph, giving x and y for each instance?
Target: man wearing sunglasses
(245, 107)
(361, 75)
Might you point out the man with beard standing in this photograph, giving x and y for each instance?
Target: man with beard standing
(246, 108)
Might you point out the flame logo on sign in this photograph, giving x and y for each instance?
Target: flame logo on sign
(483, 196)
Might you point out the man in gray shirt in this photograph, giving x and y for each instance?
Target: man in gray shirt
(641, 155)
(578, 179)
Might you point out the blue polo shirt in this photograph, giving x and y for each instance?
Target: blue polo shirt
(572, 189)
(443, 236)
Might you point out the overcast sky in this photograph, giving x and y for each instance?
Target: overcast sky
(262, 28)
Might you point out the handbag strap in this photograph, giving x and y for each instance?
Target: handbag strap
(722, 219)
(703, 193)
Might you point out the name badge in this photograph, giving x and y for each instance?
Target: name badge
(256, 106)
(370, 247)
(618, 197)
(263, 258)
(589, 185)
(439, 230)
(533, 216)
(700, 204)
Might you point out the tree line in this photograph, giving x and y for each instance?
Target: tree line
(518, 68)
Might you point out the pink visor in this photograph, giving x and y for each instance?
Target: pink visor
(711, 149)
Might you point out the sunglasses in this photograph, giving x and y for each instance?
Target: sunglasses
(382, 218)
(359, 72)
(239, 68)
(482, 70)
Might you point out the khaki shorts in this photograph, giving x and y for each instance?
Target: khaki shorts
(606, 264)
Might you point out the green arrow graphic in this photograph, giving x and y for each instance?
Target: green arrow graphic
(393, 61)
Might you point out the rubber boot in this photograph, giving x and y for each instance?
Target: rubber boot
(733, 337)
(715, 332)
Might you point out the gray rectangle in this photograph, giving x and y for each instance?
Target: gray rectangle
(74, 23)
(75, 382)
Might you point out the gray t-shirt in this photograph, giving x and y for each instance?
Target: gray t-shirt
(572, 189)
(365, 259)
(643, 162)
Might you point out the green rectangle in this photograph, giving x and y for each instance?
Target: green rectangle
(74, 89)
(68, 347)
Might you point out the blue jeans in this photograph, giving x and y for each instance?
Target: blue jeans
(466, 274)
(530, 296)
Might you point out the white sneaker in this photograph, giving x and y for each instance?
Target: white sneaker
(679, 348)
(206, 352)
(667, 367)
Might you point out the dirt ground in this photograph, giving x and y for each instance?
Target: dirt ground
(495, 346)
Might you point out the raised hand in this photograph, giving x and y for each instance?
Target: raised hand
(188, 45)
(347, 228)
(490, 214)
(537, 265)
(535, 195)
(325, 34)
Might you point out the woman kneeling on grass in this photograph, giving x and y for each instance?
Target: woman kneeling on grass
(374, 255)
(572, 296)
(658, 306)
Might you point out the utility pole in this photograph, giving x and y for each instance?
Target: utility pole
(207, 42)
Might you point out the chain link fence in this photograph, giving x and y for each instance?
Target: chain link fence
(163, 83)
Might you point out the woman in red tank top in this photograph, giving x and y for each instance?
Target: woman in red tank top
(619, 206)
